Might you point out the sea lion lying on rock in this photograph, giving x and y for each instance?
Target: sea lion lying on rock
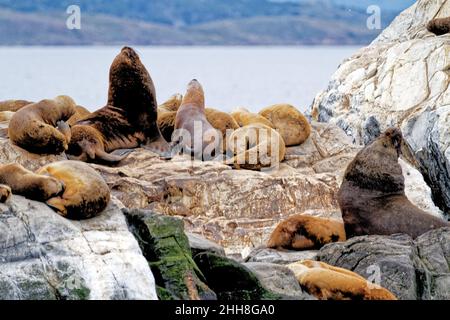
(86, 193)
(41, 127)
(171, 105)
(194, 133)
(290, 123)
(13, 105)
(439, 26)
(5, 193)
(372, 196)
(301, 232)
(255, 146)
(326, 282)
(29, 184)
(80, 113)
(244, 117)
(128, 121)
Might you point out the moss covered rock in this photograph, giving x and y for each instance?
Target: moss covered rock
(166, 248)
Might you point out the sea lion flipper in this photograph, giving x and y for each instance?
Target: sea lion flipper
(102, 156)
(58, 204)
(160, 147)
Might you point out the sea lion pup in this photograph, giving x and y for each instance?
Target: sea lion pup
(173, 104)
(5, 193)
(80, 113)
(86, 193)
(302, 232)
(128, 121)
(254, 147)
(372, 195)
(290, 123)
(41, 127)
(244, 117)
(29, 184)
(194, 133)
(439, 26)
(326, 282)
(13, 105)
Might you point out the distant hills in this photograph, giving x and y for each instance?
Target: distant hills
(193, 22)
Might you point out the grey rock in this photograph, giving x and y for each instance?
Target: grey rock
(200, 245)
(266, 255)
(412, 270)
(278, 279)
(45, 256)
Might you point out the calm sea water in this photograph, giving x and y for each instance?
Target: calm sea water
(252, 77)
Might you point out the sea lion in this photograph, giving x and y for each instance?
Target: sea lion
(372, 195)
(254, 147)
(128, 121)
(173, 104)
(5, 193)
(203, 138)
(439, 26)
(166, 124)
(244, 117)
(13, 105)
(302, 232)
(41, 127)
(326, 282)
(80, 113)
(86, 193)
(290, 123)
(28, 184)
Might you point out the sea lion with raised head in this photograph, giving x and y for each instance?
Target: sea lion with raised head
(291, 124)
(86, 193)
(41, 127)
(326, 282)
(128, 121)
(372, 195)
(301, 232)
(439, 26)
(191, 119)
(29, 184)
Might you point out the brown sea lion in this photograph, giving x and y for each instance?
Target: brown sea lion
(86, 193)
(439, 26)
(80, 113)
(5, 193)
(13, 105)
(254, 147)
(191, 118)
(372, 195)
(244, 117)
(128, 121)
(326, 282)
(41, 127)
(28, 184)
(301, 232)
(290, 123)
(171, 105)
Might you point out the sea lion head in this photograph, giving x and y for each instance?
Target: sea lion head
(194, 94)
(393, 138)
(130, 83)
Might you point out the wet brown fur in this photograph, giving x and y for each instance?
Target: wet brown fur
(372, 196)
(13, 105)
(439, 26)
(244, 117)
(86, 193)
(29, 184)
(40, 127)
(326, 282)
(292, 125)
(301, 232)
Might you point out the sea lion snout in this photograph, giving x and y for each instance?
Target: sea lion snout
(396, 138)
(129, 52)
